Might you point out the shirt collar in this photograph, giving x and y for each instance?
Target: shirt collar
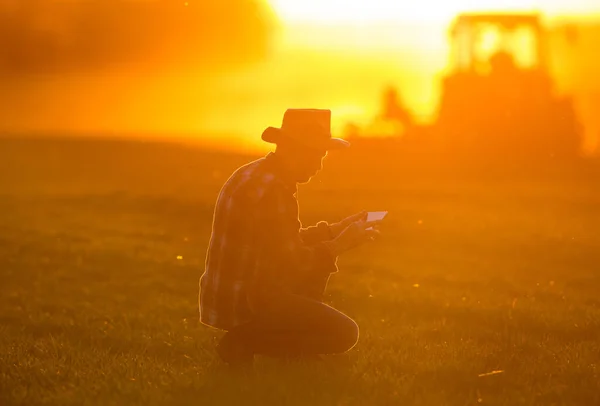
(281, 172)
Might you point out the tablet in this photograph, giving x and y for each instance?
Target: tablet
(375, 215)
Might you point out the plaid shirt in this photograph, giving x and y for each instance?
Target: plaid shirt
(258, 243)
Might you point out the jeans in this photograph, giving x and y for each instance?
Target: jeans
(297, 323)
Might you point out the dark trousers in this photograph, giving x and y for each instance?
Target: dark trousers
(297, 324)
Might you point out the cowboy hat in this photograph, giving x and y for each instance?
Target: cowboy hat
(311, 127)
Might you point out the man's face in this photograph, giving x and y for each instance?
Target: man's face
(309, 163)
(304, 162)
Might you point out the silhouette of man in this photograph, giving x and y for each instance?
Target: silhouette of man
(394, 109)
(503, 63)
(265, 275)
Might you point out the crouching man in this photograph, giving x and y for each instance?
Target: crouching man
(265, 275)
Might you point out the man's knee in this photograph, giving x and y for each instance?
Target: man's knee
(346, 334)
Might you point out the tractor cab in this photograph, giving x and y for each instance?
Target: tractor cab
(491, 43)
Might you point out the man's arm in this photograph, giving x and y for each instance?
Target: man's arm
(316, 234)
(327, 232)
(283, 257)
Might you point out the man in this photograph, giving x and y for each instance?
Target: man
(265, 275)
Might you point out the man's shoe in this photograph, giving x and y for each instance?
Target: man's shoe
(234, 352)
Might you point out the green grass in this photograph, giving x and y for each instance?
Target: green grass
(471, 276)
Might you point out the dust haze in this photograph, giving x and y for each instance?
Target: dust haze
(120, 66)
(40, 36)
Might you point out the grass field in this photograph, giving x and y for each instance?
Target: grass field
(102, 245)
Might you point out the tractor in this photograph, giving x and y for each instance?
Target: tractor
(497, 100)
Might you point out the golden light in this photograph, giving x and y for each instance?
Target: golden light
(439, 11)
(362, 11)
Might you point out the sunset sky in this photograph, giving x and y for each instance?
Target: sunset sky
(247, 63)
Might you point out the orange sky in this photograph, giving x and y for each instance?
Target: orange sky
(337, 54)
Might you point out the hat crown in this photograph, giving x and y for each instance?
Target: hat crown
(314, 122)
(311, 127)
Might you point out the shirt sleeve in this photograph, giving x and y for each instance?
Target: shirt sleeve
(283, 257)
(315, 234)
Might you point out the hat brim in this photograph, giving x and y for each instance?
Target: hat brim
(274, 135)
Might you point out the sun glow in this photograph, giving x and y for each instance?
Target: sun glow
(373, 11)
(352, 49)
(424, 11)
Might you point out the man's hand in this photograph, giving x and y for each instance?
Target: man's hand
(357, 233)
(337, 228)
